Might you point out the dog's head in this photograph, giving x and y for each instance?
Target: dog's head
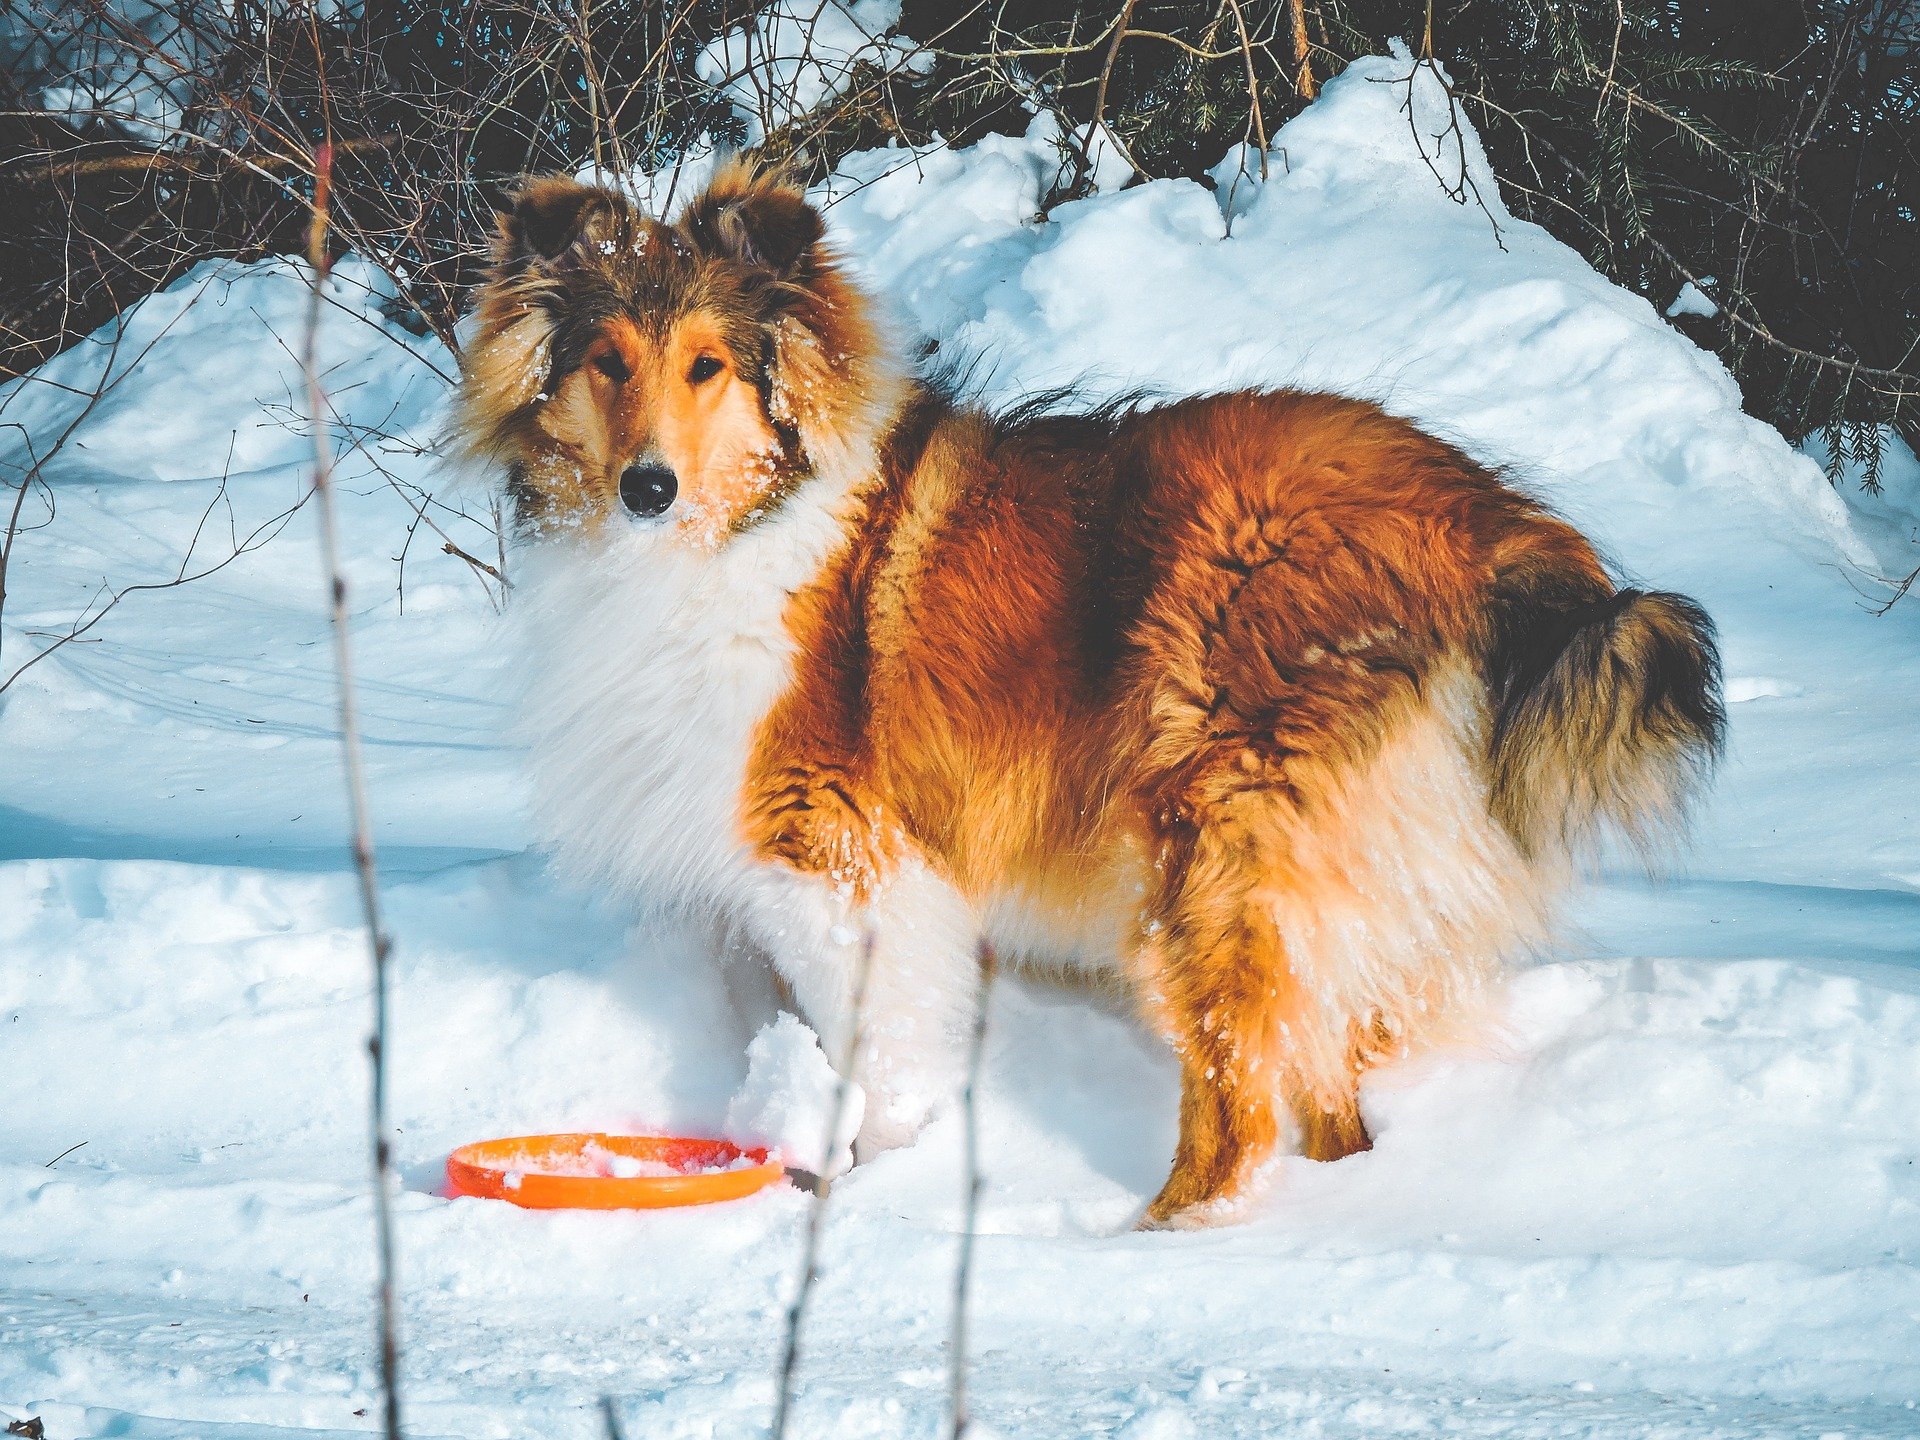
(692, 374)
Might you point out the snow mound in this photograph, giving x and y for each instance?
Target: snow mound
(790, 1098)
(795, 55)
(230, 334)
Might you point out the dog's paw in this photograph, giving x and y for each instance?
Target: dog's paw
(893, 1123)
(1183, 1205)
(1207, 1215)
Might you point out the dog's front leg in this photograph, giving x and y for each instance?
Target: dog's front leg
(920, 988)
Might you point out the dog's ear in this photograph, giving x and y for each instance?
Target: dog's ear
(550, 216)
(755, 217)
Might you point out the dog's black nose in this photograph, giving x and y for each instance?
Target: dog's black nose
(648, 489)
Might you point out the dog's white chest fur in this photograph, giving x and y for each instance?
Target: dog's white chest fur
(647, 668)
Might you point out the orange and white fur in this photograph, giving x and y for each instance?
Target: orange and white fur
(1286, 712)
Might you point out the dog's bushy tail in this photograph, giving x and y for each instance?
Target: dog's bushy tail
(1606, 711)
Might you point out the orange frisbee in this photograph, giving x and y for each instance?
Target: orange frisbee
(608, 1172)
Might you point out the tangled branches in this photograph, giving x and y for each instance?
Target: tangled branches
(1760, 151)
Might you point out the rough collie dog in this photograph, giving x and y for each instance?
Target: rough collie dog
(1292, 714)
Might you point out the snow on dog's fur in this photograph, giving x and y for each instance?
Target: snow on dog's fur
(1297, 708)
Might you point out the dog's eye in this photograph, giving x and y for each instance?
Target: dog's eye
(609, 364)
(704, 369)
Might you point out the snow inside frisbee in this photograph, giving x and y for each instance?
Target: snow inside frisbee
(596, 1161)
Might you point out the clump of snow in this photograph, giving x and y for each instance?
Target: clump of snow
(597, 1161)
(1692, 300)
(790, 1098)
(1165, 1420)
(600, 1162)
(1741, 688)
(1107, 164)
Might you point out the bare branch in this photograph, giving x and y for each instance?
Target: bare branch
(963, 1272)
(174, 163)
(379, 942)
(822, 1188)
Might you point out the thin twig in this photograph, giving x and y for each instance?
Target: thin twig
(174, 162)
(1900, 590)
(92, 615)
(1303, 49)
(1466, 187)
(822, 1187)
(449, 548)
(379, 943)
(963, 1272)
(1613, 60)
(1100, 96)
(1255, 118)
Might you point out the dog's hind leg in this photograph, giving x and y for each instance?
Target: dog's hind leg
(1247, 1022)
(1331, 884)
(1321, 910)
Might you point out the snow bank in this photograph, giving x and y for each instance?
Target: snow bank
(129, 64)
(204, 378)
(795, 55)
(229, 678)
(1680, 1196)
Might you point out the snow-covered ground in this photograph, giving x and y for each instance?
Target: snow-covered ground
(1679, 1197)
